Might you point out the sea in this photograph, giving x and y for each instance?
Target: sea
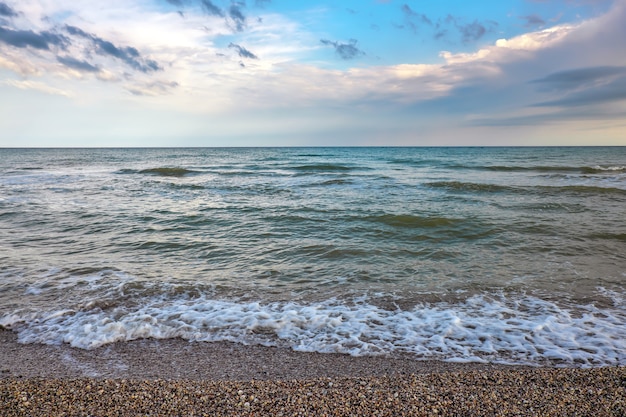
(511, 255)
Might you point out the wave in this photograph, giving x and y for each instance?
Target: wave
(583, 190)
(597, 169)
(330, 183)
(471, 187)
(162, 171)
(414, 162)
(603, 170)
(411, 221)
(191, 187)
(168, 172)
(515, 329)
(610, 236)
(323, 168)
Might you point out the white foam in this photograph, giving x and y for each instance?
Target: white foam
(525, 330)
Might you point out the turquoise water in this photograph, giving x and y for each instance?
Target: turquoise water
(514, 255)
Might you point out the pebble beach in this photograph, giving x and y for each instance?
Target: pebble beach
(178, 378)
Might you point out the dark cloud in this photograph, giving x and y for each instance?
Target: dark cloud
(472, 31)
(344, 50)
(413, 19)
(533, 20)
(73, 30)
(586, 86)
(128, 54)
(580, 77)
(613, 92)
(26, 38)
(5, 10)
(234, 15)
(440, 33)
(563, 115)
(76, 64)
(237, 15)
(406, 9)
(242, 52)
(212, 9)
(178, 3)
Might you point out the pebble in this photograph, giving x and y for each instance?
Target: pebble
(527, 392)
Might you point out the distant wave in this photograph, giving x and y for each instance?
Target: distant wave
(333, 182)
(411, 221)
(323, 168)
(616, 236)
(168, 172)
(603, 170)
(544, 168)
(585, 189)
(161, 171)
(471, 187)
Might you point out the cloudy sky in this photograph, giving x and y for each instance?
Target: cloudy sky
(310, 72)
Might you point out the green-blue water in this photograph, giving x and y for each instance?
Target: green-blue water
(513, 255)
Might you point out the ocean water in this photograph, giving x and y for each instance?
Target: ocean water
(507, 255)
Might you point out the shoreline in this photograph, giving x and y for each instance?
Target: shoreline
(176, 377)
(172, 359)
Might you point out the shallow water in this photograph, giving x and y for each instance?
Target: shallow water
(514, 255)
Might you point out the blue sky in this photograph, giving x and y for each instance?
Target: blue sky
(292, 73)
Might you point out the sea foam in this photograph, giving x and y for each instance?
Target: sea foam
(523, 330)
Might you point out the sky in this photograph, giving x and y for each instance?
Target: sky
(77, 73)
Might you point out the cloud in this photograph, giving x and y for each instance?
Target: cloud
(37, 86)
(154, 88)
(544, 117)
(26, 38)
(609, 92)
(128, 55)
(237, 15)
(472, 31)
(533, 20)
(580, 77)
(211, 9)
(178, 3)
(414, 19)
(77, 64)
(5, 10)
(469, 32)
(555, 62)
(261, 3)
(502, 80)
(344, 50)
(242, 52)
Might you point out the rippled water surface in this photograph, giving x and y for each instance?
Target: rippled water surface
(513, 255)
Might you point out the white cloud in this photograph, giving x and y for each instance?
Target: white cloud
(37, 86)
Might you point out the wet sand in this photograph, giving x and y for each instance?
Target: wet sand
(175, 377)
